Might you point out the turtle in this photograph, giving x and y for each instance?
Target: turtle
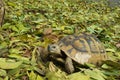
(2, 12)
(82, 48)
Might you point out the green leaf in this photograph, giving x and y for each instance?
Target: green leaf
(14, 28)
(112, 72)
(39, 78)
(3, 72)
(33, 55)
(113, 64)
(105, 66)
(78, 76)
(95, 74)
(40, 71)
(4, 64)
(18, 57)
(110, 50)
(21, 27)
(6, 78)
(14, 71)
(32, 75)
(1, 78)
(59, 75)
(13, 41)
(15, 50)
(11, 4)
(39, 21)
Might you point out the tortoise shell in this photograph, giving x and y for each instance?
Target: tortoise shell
(83, 48)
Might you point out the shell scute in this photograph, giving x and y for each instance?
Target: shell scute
(83, 48)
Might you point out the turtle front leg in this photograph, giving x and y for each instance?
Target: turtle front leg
(69, 65)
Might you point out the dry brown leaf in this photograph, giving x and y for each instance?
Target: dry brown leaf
(53, 38)
(47, 31)
(118, 45)
(27, 53)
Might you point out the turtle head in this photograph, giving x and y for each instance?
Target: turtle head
(54, 49)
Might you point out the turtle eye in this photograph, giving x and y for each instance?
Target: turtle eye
(51, 48)
(54, 47)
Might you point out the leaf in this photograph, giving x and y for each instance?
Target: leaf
(39, 78)
(59, 75)
(14, 28)
(112, 72)
(39, 70)
(47, 31)
(113, 64)
(32, 75)
(78, 76)
(3, 45)
(90, 65)
(105, 66)
(11, 4)
(95, 74)
(33, 55)
(110, 50)
(1, 78)
(118, 45)
(18, 57)
(21, 27)
(14, 71)
(9, 65)
(3, 72)
(13, 41)
(52, 67)
(15, 50)
(6, 78)
(39, 21)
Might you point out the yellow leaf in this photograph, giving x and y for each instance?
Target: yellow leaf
(62, 27)
(78, 76)
(39, 78)
(9, 65)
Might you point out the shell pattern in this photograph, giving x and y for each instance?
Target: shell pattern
(83, 48)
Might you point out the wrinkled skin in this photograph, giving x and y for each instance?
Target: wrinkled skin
(54, 50)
